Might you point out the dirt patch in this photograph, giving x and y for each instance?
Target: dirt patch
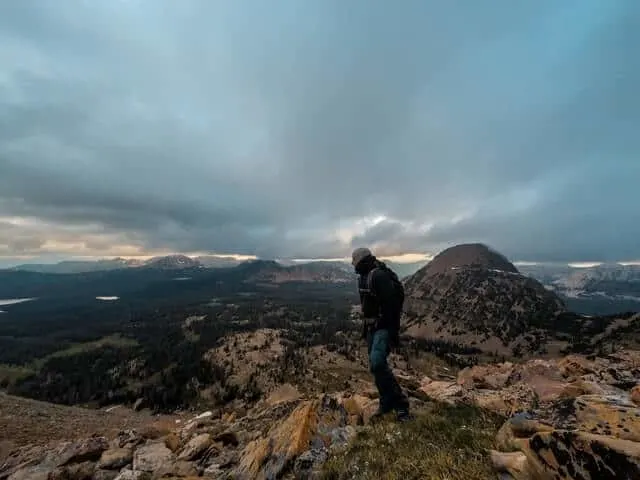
(24, 421)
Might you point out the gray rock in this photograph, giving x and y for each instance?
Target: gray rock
(86, 450)
(127, 438)
(216, 472)
(152, 457)
(138, 405)
(37, 472)
(178, 469)
(341, 436)
(196, 447)
(127, 474)
(116, 458)
(309, 462)
(105, 474)
(76, 471)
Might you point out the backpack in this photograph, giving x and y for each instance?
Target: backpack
(397, 284)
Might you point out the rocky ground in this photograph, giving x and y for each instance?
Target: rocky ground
(27, 422)
(576, 418)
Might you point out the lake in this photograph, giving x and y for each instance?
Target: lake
(13, 301)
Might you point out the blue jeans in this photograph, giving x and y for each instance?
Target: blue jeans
(391, 396)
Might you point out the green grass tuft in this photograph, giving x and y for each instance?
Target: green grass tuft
(445, 442)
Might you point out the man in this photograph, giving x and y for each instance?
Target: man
(381, 299)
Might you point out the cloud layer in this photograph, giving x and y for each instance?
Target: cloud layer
(301, 129)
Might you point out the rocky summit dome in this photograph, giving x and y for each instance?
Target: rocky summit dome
(473, 295)
(469, 255)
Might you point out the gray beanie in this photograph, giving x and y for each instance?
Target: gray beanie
(360, 254)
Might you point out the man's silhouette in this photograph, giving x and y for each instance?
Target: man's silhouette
(381, 298)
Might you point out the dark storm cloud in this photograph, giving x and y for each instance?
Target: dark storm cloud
(242, 127)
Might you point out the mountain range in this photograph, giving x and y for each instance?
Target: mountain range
(274, 354)
(595, 290)
(167, 262)
(183, 261)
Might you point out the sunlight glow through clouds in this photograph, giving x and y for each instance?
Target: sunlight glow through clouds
(137, 127)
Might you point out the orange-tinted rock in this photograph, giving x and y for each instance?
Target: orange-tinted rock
(115, 459)
(491, 377)
(580, 387)
(267, 457)
(514, 463)
(590, 437)
(573, 366)
(317, 424)
(608, 416)
(173, 442)
(536, 368)
(442, 391)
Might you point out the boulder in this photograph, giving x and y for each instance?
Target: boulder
(127, 474)
(578, 455)
(359, 408)
(178, 469)
(89, 449)
(152, 457)
(513, 463)
(116, 458)
(310, 462)
(105, 474)
(173, 442)
(609, 415)
(442, 391)
(77, 471)
(34, 472)
(59, 460)
(491, 377)
(575, 366)
(580, 387)
(589, 437)
(196, 447)
(228, 437)
(313, 425)
(127, 438)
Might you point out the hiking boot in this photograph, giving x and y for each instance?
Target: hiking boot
(403, 415)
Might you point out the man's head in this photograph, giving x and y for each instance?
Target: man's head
(360, 254)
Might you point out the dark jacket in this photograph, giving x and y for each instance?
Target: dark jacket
(380, 301)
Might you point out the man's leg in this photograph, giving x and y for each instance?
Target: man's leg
(374, 362)
(391, 396)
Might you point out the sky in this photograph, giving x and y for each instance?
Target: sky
(291, 129)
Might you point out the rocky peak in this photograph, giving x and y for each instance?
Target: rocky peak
(472, 294)
(173, 262)
(468, 255)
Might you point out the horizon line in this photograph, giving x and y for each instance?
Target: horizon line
(401, 259)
